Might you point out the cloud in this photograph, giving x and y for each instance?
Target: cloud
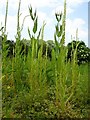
(45, 10)
(71, 27)
(75, 3)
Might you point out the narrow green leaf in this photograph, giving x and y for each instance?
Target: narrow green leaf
(29, 33)
(35, 26)
(39, 34)
(31, 14)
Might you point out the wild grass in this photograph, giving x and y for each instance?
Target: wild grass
(34, 86)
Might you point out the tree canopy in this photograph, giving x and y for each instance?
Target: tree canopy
(83, 52)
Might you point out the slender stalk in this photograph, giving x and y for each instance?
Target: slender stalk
(6, 16)
(18, 18)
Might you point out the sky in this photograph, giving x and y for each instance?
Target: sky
(77, 17)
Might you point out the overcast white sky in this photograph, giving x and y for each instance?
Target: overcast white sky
(77, 17)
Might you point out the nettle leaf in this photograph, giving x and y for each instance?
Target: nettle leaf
(39, 34)
(30, 9)
(59, 33)
(35, 25)
(35, 14)
(61, 16)
(31, 14)
(57, 28)
(62, 39)
(61, 28)
(29, 33)
(1, 28)
(55, 36)
(56, 42)
(58, 16)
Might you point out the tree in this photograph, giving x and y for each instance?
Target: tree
(83, 52)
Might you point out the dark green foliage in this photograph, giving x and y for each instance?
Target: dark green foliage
(25, 46)
(83, 52)
(10, 47)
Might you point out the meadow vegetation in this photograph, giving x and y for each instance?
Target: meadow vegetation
(38, 85)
